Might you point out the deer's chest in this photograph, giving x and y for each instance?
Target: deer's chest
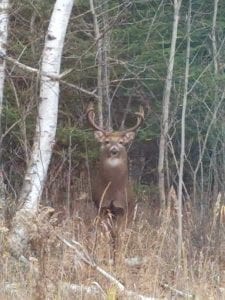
(113, 163)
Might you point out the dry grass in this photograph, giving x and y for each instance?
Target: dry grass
(146, 259)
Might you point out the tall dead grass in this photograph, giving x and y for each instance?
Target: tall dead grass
(146, 255)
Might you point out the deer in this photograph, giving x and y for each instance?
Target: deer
(111, 189)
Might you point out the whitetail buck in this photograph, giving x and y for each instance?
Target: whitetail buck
(111, 191)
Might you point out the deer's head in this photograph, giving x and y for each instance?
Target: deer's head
(113, 142)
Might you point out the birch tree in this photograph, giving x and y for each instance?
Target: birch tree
(45, 128)
(4, 6)
(166, 104)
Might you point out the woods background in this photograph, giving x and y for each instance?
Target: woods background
(118, 54)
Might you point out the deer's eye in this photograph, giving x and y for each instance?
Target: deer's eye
(107, 142)
(121, 142)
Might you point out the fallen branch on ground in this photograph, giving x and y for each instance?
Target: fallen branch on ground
(186, 295)
(83, 255)
(80, 289)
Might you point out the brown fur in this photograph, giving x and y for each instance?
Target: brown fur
(111, 188)
(111, 191)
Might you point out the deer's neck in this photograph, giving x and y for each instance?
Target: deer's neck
(114, 170)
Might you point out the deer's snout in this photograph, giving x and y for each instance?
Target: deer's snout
(114, 150)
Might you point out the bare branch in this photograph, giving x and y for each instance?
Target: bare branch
(53, 77)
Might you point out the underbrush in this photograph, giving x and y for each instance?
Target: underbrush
(146, 257)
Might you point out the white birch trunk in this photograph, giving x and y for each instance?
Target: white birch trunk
(45, 128)
(166, 103)
(4, 6)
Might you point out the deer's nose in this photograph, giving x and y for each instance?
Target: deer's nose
(114, 150)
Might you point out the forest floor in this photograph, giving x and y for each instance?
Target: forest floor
(146, 257)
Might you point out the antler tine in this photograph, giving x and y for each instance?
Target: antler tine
(140, 119)
(91, 117)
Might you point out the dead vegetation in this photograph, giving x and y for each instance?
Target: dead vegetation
(68, 253)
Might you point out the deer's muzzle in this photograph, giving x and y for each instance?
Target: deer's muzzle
(114, 150)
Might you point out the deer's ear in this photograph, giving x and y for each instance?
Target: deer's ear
(99, 136)
(128, 137)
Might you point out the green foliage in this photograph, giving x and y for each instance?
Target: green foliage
(82, 140)
(140, 38)
(11, 115)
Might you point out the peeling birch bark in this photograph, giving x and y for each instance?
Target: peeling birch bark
(45, 128)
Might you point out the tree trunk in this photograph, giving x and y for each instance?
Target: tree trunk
(105, 66)
(214, 45)
(182, 152)
(102, 49)
(166, 103)
(4, 6)
(45, 128)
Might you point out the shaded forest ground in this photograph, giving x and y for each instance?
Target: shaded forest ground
(146, 255)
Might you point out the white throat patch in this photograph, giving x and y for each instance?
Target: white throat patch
(113, 162)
